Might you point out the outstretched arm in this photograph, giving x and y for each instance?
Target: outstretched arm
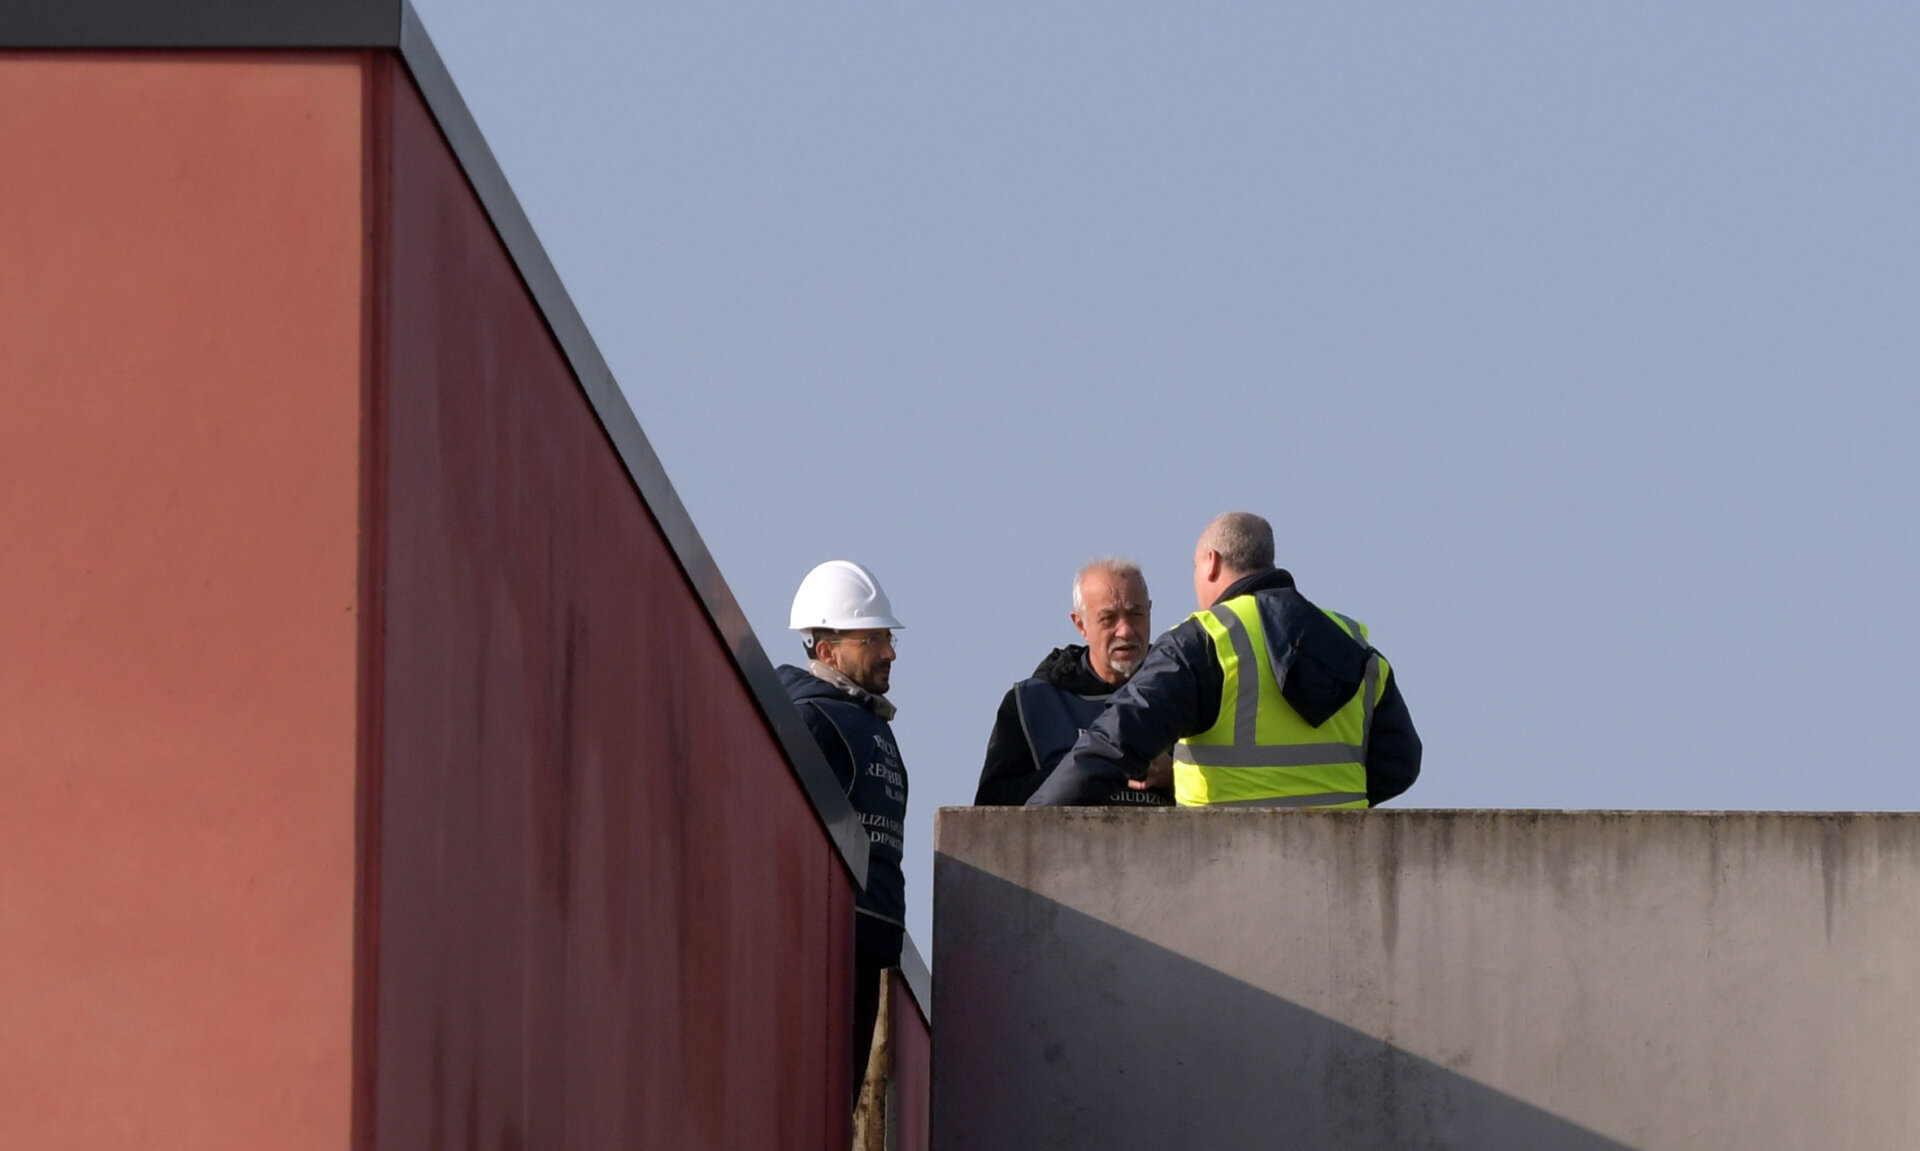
(1175, 693)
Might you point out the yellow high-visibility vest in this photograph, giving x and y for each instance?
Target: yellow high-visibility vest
(1260, 752)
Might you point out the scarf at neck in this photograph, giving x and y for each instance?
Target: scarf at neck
(833, 675)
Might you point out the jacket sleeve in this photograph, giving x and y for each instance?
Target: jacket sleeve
(833, 745)
(1176, 693)
(1009, 776)
(1393, 747)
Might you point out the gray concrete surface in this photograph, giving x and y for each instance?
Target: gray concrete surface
(1425, 979)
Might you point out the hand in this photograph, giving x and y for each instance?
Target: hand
(1159, 776)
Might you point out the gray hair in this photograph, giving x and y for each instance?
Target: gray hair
(1114, 566)
(1244, 541)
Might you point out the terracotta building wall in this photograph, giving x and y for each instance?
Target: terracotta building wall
(180, 336)
(607, 914)
(912, 1070)
(370, 774)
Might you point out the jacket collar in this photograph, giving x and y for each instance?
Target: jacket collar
(1273, 579)
(1071, 668)
(1316, 664)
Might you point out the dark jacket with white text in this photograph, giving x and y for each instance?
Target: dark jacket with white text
(860, 748)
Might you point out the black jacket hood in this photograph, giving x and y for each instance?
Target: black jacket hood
(1068, 668)
(1317, 664)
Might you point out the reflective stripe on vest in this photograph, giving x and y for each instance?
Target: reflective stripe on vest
(1259, 752)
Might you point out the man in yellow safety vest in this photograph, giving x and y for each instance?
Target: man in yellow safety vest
(1266, 699)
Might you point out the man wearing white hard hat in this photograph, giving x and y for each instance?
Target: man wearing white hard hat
(847, 625)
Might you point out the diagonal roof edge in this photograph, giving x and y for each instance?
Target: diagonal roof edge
(623, 430)
(919, 979)
(393, 24)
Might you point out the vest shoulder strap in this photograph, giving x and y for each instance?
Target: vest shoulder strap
(853, 761)
(1051, 718)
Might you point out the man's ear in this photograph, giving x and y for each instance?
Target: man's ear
(1077, 625)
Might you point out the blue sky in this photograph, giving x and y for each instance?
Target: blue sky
(1573, 348)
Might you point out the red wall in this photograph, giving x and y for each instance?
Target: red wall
(912, 1070)
(369, 773)
(180, 311)
(602, 912)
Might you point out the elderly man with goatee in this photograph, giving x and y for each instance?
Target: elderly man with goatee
(1044, 714)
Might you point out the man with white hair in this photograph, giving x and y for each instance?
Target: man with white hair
(1266, 698)
(1043, 715)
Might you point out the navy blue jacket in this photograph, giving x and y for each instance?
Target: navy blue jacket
(1039, 720)
(859, 747)
(1176, 694)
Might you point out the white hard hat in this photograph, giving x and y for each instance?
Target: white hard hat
(843, 596)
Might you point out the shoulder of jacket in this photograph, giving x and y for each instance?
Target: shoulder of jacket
(1031, 684)
(1190, 633)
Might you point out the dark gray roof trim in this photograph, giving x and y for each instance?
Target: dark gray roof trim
(623, 429)
(919, 979)
(155, 24)
(200, 23)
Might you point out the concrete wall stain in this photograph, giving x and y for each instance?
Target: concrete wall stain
(1673, 979)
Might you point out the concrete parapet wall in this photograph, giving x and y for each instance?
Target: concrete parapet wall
(1578, 980)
